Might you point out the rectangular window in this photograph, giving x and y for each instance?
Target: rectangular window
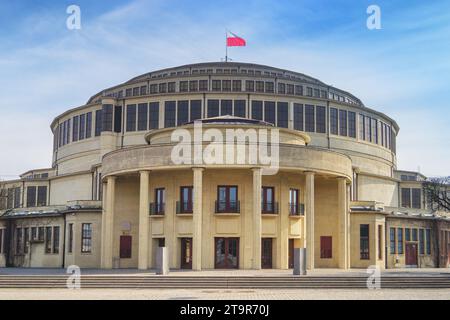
(416, 198)
(75, 128)
(414, 234)
(143, 90)
(406, 197)
(55, 239)
(309, 118)
(368, 129)
(10, 199)
(17, 197)
(364, 252)
(326, 247)
(86, 238)
(182, 112)
(281, 88)
(226, 107)
(362, 131)
(184, 86)
(249, 85)
(343, 123)
(153, 88)
(239, 108)
(226, 85)
(213, 108)
(131, 117)
(400, 240)
(1, 241)
(70, 235)
(154, 115)
(392, 240)
(31, 196)
(162, 87)
(321, 119)
(269, 111)
(351, 124)
(407, 234)
(227, 199)
(88, 125)
(136, 91)
(298, 116)
(283, 114)
(118, 119)
(237, 85)
(82, 130)
(160, 198)
(428, 241)
(186, 199)
(171, 87)
(19, 240)
(203, 85)
(169, 114)
(26, 238)
(48, 239)
(142, 116)
(42, 196)
(268, 200)
(421, 241)
(196, 109)
(380, 242)
(334, 121)
(257, 112)
(107, 117)
(34, 233)
(98, 122)
(294, 208)
(193, 85)
(41, 234)
(374, 130)
(290, 89)
(216, 85)
(259, 86)
(299, 90)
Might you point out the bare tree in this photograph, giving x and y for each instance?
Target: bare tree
(437, 193)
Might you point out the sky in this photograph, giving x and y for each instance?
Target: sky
(402, 69)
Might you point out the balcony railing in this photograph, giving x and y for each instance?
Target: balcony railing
(157, 209)
(227, 207)
(269, 207)
(296, 209)
(184, 207)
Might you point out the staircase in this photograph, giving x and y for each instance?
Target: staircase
(223, 282)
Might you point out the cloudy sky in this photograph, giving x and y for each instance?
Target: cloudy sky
(402, 70)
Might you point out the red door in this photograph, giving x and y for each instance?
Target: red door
(326, 251)
(186, 253)
(411, 254)
(125, 247)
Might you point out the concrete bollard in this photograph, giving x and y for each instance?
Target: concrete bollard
(299, 261)
(162, 261)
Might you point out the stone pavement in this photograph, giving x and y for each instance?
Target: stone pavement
(210, 294)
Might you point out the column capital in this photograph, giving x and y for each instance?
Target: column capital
(198, 168)
(256, 169)
(144, 171)
(111, 178)
(309, 173)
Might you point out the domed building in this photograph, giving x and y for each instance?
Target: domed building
(227, 165)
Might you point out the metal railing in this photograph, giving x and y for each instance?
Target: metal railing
(184, 207)
(269, 208)
(296, 209)
(157, 208)
(227, 207)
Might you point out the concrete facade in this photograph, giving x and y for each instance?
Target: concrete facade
(115, 192)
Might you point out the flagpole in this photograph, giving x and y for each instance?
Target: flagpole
(226, 46)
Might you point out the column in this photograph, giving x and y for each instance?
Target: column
(197, 219)
(103, 240)
(109, 222)
(144, 218)
(343, 223)
(257, 218)
(309, 217)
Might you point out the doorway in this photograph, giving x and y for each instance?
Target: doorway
(411, 254)
(266, 253)
(186, 253)
(291, 254)
(227, 253)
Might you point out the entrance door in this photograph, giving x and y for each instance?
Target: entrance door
(411, 254)
(266, 253)
(227, 253)
(186, 253)
(291, 253)
(125, 247)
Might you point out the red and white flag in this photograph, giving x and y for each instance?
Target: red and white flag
(234, 40)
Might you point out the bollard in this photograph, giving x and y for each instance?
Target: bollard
(162, 261)
(299, 261)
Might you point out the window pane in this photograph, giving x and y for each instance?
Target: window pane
(154, 115)
(213, 108)
(269, 111)
(88, 125)
(118, 119)
(82, 130)
(142, 116)
(342, 122)
(226, 107)
(309, 118)
(196, 110)
(320, 119)
(334, 121)
(31, 196)
(298, 116)
(400, 241)
(239, 108)
(351, 124)
(107, 117)
(183, 112)
(169, 114)
(282, 114)
(257, 110)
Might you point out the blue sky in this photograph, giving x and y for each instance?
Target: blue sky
(402, 70)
